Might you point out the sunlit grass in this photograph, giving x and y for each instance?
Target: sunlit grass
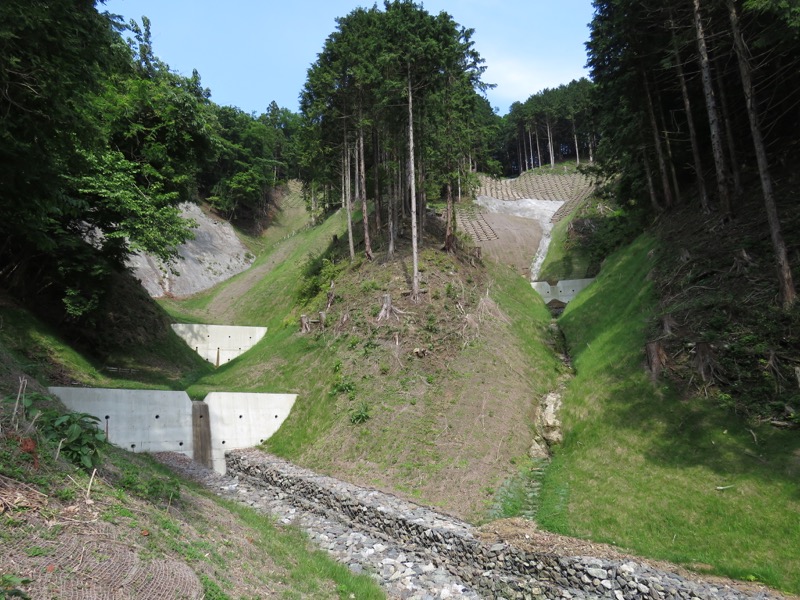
(664, 476)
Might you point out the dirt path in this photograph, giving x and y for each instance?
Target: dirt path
(222, 309)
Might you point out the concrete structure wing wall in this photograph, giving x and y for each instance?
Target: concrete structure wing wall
(242, 420)
(219, 344)
(136, 420)
(563, 291)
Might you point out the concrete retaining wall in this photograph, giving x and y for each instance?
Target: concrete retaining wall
(563, 291)
(219, 344)
(160, 421)
(136, 420)
(243, 420)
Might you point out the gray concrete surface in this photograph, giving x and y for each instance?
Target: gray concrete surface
(214, 255)
(244, 420)
(161, 421)
(563, 291)
(219, 344)
(136, 420)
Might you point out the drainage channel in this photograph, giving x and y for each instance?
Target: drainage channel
(417, 553)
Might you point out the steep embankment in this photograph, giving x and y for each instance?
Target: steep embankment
(664, 475)
(446, 387)
(214, 254)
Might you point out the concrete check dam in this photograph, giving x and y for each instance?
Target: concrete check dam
(165, 420)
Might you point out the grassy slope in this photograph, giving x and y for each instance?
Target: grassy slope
(195, 530)
(640, 466)
(235, 551)
(43, 354)
(487, 364)
(562, 262)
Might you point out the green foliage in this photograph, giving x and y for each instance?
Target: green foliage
(360, 414)
(625, 436)
(240, 175)
(361, 80)
(343, 385)
(9, 587)
(211, 589)
(150, 486)
(550, 126)
(76, 434)
(317, 273)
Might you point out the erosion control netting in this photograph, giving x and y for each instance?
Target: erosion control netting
(84, 561)
(568, 188)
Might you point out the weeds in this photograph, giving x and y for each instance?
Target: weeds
(360, 414)
(150, 486)
(9, 587)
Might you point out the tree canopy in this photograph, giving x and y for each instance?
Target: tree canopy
(696, 95)
(376, 66)
(99, 144)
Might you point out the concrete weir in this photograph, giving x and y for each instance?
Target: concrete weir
(563, 291)
(160, 421)
(219, 344)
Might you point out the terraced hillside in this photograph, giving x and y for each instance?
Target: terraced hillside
(511, 231)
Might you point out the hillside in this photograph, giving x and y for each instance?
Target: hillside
(437, 401)
(473, 354)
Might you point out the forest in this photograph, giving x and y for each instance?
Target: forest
(101, 142)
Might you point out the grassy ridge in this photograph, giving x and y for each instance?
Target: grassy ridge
(42, 353)
(664, 476)
(564, 260)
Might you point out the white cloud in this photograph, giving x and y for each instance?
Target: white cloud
(519, 78)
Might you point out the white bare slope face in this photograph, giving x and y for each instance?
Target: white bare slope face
(540, 211)
(214, 255)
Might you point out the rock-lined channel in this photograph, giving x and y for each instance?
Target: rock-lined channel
(417, 553)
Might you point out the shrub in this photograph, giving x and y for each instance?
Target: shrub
(77, 434)
(360, 414)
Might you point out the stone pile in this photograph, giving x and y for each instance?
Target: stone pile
(407, 542)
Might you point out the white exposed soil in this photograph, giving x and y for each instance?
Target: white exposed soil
(214, 255)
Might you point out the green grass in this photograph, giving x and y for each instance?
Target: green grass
(564, 260)
(42, 353)
(310, 571)
(640, 467)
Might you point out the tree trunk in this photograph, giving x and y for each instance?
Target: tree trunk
(524, 150)
(305, 324)
(730, 142)
(676, 190)
(577, 151)
(449, 236)
(687, 107)
(651, 188)
(377, 186)
(713, 115)
(394, 192)
(550, 145)
(662, 163)
(412, 184)
(520, 143)
(422, 200)
(362, 189)
(538, 147)
(788, 293)
(530, 150)
(387, 310)
(346, 199)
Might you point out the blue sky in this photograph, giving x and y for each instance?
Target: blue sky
(251, 52)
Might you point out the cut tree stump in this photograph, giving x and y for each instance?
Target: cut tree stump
(387, 310)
